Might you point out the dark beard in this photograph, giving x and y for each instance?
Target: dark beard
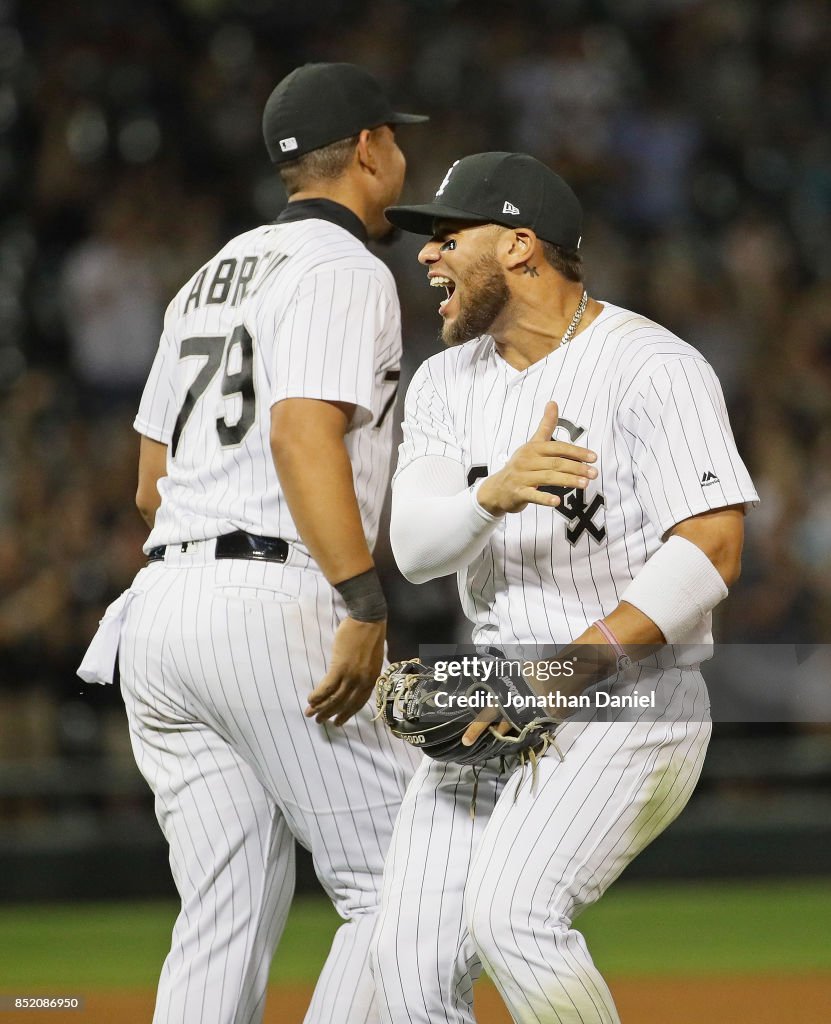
(485, 296)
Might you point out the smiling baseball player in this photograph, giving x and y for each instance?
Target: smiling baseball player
(265, 457)
(573, 463)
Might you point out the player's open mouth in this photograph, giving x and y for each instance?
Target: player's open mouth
(449, 286)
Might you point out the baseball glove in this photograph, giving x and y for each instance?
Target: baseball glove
(406, 698)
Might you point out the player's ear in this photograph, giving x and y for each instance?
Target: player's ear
(519, 245)
(367, 152)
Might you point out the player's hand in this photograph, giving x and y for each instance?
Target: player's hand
(482, 723)
(357, 655)
(540, 462)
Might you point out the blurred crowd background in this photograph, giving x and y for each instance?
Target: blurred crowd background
(695, 131)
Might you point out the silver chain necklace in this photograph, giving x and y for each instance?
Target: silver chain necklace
(575, 320)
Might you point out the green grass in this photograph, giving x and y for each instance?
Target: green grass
(122, 945)
(678, 929)
(711, 929)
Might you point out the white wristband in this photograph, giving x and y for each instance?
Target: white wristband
(676, 588)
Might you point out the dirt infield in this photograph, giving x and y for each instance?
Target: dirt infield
(749, 999)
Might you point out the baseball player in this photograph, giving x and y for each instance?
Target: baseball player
(573, 463)
(249, 645)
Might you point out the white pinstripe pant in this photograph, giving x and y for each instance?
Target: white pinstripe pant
(502, 889)
(217, 660)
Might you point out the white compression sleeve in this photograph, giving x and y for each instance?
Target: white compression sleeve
(676, 588)
(437, 526)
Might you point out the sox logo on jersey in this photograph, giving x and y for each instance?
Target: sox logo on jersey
(573, 506)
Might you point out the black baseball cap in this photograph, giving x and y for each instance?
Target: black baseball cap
(321, 103)
(513, 189)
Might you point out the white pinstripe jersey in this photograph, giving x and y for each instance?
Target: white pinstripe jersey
(646, 402)
(289, 310)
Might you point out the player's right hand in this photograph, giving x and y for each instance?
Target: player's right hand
(357, 656)
(540, 462)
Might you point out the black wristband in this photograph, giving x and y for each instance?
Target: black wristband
(364, 597)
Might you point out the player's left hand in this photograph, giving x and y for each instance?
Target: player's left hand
(357, 655)
(406, 699)
(482, 723)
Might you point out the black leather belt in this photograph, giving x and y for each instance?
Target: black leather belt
(236, 545)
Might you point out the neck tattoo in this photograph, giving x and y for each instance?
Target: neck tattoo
(575, 320)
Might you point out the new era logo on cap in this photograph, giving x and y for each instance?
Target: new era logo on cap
(510, 208)
(287, 145)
